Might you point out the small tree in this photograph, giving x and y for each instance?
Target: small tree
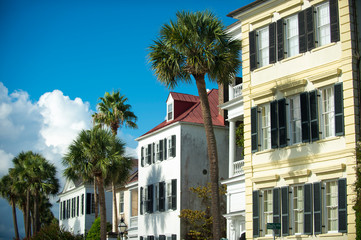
(200, 221)
(94, 231)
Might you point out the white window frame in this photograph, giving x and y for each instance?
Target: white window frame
(291, 36)
(156, 196)
(169, 195)
(170, 111)
(327, 112)
(332, 206)
(267, 211)
(169, 147)
(295, 122)
(263, 46)
(323, 26)
(298, 207)
(121, 202)
(265, 126)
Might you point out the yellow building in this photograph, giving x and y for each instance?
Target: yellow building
(301, 115)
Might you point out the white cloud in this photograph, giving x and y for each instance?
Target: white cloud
(6, 162)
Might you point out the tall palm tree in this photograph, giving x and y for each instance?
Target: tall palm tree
(9, 192)
(114, 112)
(91, 153)
(197, 45)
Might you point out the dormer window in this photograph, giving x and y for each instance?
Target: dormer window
(170, 111)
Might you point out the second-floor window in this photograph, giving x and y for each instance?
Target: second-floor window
(265, 127)
(295, 119)
(121, 202)
(327, 119)
(323, 30)
(263, 46)
(291, 36)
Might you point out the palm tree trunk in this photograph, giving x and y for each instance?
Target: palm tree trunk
(13, 204)
(115, 210)
(36, 227)
(95, 198)
(27, 221)
(103, 214)
(212, 154)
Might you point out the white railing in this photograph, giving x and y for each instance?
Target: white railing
(133, 222)
(238, 167)
(237, 90)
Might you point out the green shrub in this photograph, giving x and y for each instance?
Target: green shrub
(54, 232)
(94, 231)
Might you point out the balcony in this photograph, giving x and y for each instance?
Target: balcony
(238, 167)
(237, 90)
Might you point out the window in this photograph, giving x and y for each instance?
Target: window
(172, 146)
(170, 111)
(323, 34)
(159, 150)
(331, 206)
(298, 209)
(327, 112)
(263, 46)
(169, 195)
(267, 210)
(156, 186)
(172, 194)
(265, 127)
(295, 119)
(291, 35)
(121, 202)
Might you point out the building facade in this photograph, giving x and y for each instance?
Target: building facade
(76, 207)
(301, 117)
(173, 158)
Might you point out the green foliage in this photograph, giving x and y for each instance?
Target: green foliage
(54, 232)
(240, 137)
(357, 206)
(200, 221)
(94, 231)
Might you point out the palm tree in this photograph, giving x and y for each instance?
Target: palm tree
(197, 45)
(9, 192)
(114, 112)
(89, 155)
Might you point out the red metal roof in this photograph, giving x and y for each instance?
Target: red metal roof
(194, 113)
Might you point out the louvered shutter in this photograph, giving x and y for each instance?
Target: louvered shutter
(302, 36)
(162, 237)
(150, 198)
(310, 28)
(305, 122)
(252, 50)
(285, 211)
(161, 145)
(274, 124)
(165, 149)
(280, 40)
(282, 122)
(174, 237)
(317, 207)
(254, 129)
(307, 217)
(161, 197)
(173, 145)
(153, 152)
(339, 118)
(256, 214)
(314, 115)
(272, 42)
(334, 21)
(142, 156)
(141, 200)
(140, 238)
(276, 209)
(88, 203)
(149, 154)
(342, 205)
(174, 194)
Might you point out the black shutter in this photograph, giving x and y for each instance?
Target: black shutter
(256, 222)
(153, 152)
(77, 204)
(161, 145)
(141, 200)
(307, 209)
(82, 204)
(285, 211)
(161, 197)
(149, 154)
(302, 37)
(142, 156)
(140, 238)
(173, 145)
(280, 39)
(162, 237)
(334, 22)
(254, 129)
(174, 194)
(314, 116)
(150, 199)
(274, 124)
(64, 210)
(272, 42)
(252, 50)
(305, 122)
(339, 118)
(174, 237)
(88, 203)
(276, 209)
(342, 205)
(165, 149)
(282, 122)
(310, 28)
(317, 207)
(61, 211)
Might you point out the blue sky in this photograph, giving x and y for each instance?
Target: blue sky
(58, 57)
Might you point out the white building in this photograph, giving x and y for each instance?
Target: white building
(173, 158)
(76, 210)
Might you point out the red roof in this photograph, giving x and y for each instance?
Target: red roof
(194, 113)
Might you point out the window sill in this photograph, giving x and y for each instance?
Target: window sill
(265, 151)
(326, 235)
(297, 236)
(323, 47)
(328, 139)
(291, 58)
(263, 68)
(296, 145)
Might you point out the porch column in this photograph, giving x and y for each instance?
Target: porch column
(232, 145)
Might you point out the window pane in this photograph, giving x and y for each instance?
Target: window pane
(266, 127)
(268, 210)
(298, 209)
(332, 205)
(323, 24)
(295, 119)
(263, 46)
(292, 36)
(328, 112)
